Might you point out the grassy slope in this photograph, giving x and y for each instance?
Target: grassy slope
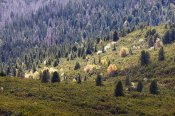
(23, 96)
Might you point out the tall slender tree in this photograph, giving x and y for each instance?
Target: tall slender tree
(161, 54)
(119, 89)
(115, 36)
(140, 86)
(79, 79)
(99, 80)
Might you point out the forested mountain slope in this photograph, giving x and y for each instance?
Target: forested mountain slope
(54, 23)
(11, 9)
(34, 31)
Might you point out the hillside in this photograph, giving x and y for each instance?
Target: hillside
(87, 57)
(24, 97)
(29, 96)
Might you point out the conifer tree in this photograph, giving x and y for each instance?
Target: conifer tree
(55, 63)
(115, 36)
(144, 58)
(151, 42)
(79, 79)
(98, 40)
(34, 68)
(49, 62)
(154, 87)
(119, 89)
(140, 86)
(8, 71)
(45, 76)
(77, 66)
(99, 80)
(161, 54)
(108, 38)
(55, 77)
(167, 37)
(103, 49)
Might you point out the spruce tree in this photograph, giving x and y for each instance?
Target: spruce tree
(140, 86)
(55, 63)
(108, 38)
(166, 37)
(77, 66)
(151, 42)
(8, 71)
(99, 80)
(34, 68)
(79, 79)
(144, 58)
(103, 49)
(119, 89)
(161, 54)
(154, 87)
(55, 77)
(98, 40)
(45, 76)
(115, 36)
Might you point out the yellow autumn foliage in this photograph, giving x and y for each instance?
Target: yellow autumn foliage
(124, 52)
(104, 62)
(89, 68)
(112, 69)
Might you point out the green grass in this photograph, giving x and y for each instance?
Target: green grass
(23, 96)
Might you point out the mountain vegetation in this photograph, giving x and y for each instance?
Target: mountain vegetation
(87, 57)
